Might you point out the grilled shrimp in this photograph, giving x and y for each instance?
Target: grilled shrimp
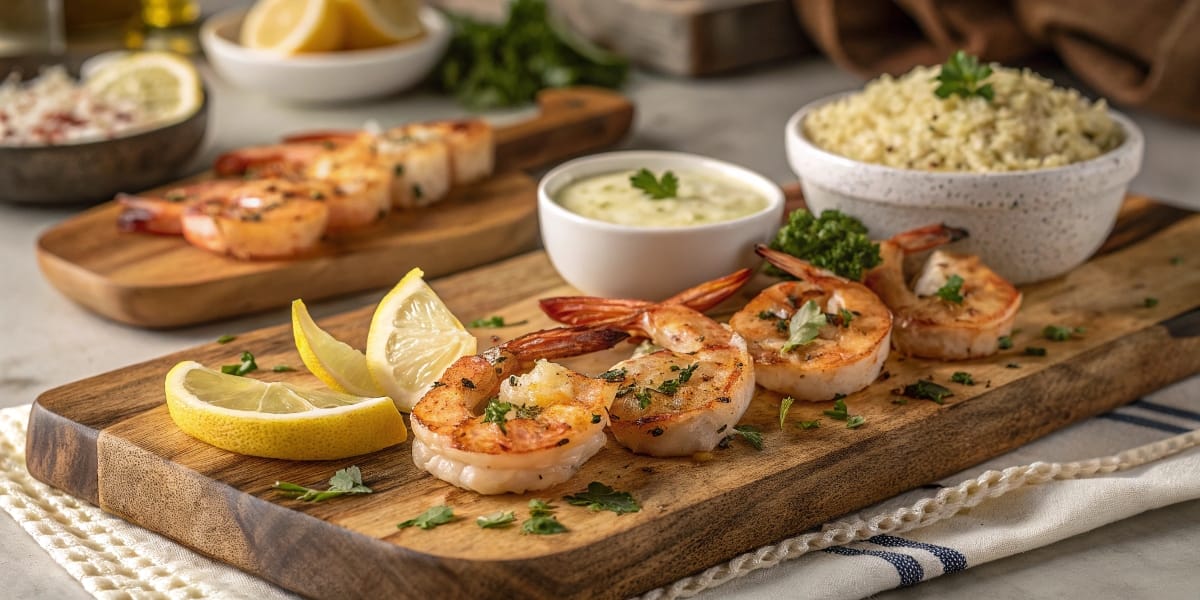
(928, 325)
(491, 427)
(684, 398)
(163, 213)
(849, 350)
(268, 218)
(421, 167)
(471, 143)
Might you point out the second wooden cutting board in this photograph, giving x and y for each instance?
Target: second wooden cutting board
(162, 281)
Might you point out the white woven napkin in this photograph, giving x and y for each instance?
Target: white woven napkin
(1140, 457)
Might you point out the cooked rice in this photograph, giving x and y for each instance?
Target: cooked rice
(1030, 124)
(55, 109)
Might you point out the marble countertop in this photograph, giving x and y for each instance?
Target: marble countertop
(51, 341)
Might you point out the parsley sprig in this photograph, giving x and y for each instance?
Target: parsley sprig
(656, 189)
(598, 497)
(804, 326)
(832, 241)
(346, 481)
(842, 413)
(541, 519)
(437, 515)
(495, 321)
(961, 75)
(496, 520)
(924, 389)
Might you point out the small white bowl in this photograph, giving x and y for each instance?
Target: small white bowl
(326, 76)
(1027, 225)
(650, 263)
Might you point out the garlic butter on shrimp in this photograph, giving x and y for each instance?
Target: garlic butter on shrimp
(967, 323)
(491, 427)
(849, 349)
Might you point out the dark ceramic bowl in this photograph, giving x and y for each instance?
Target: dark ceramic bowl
(91, 172)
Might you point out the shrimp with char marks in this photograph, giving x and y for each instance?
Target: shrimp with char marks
(492, 425)
(967, 323)
(269, 218)
(851, 342)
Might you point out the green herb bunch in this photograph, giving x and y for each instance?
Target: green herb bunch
(961, 75)
(489, 65)
(832, 241)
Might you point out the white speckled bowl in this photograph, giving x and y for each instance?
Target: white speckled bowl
(650, 263)
(1027, 225)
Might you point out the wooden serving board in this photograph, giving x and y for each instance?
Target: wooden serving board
(162, 281)
(109, 440)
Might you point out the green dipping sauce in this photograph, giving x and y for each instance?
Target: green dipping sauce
(701, 199)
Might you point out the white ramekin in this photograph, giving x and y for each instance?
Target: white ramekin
(650, 263)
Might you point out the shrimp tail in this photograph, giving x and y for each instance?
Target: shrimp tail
(591, 310)
(929, 236)
(563, 342)
(797, 267)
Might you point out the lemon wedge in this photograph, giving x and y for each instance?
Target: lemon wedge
(294, 26)
(278, 420)
(165, 85)
(374, 23)
(335, 363)
(413, 338)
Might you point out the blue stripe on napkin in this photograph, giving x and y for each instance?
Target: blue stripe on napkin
(909, 569)
(1166, 410)
(952, 560)
(1151, 423)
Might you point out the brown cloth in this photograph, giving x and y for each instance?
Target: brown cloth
(1144, 53)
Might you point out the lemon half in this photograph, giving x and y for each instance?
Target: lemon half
(335, 363)
(165, 85)
(374, 23)
(413, 338)
(294, 26)
(278, 420)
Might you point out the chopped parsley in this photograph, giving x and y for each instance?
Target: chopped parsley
(598, 497)
(656, 189)
(497, 412)
(809, 424)
(1012, 366)
(494, 321)
(1177, 260)
(839, 410)
(1150, 302)
(751, 434)
(1005, 342)
(247, 365)
(855, 422)
(496, 520)
(962, 377)
(804, 326)
(784, 406)
(671, 386)
(225, 339)
(344, 482)
(1034, 351)
(613, 375)
(541, 519)
(438, 515)
(924, 389)
(467, 383)
(961, 75)
(282, 369)
(833, 241)
(952, 290)
(643, 397)
(1057, 333)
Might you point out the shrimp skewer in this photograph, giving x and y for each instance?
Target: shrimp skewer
(932, 327)
(849, 350)
(552, 423)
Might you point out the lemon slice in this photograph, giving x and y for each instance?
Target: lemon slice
(334, 362)
(294, 26)
(373, 23)
(413, 338)
(165, 85)
(278, 420)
